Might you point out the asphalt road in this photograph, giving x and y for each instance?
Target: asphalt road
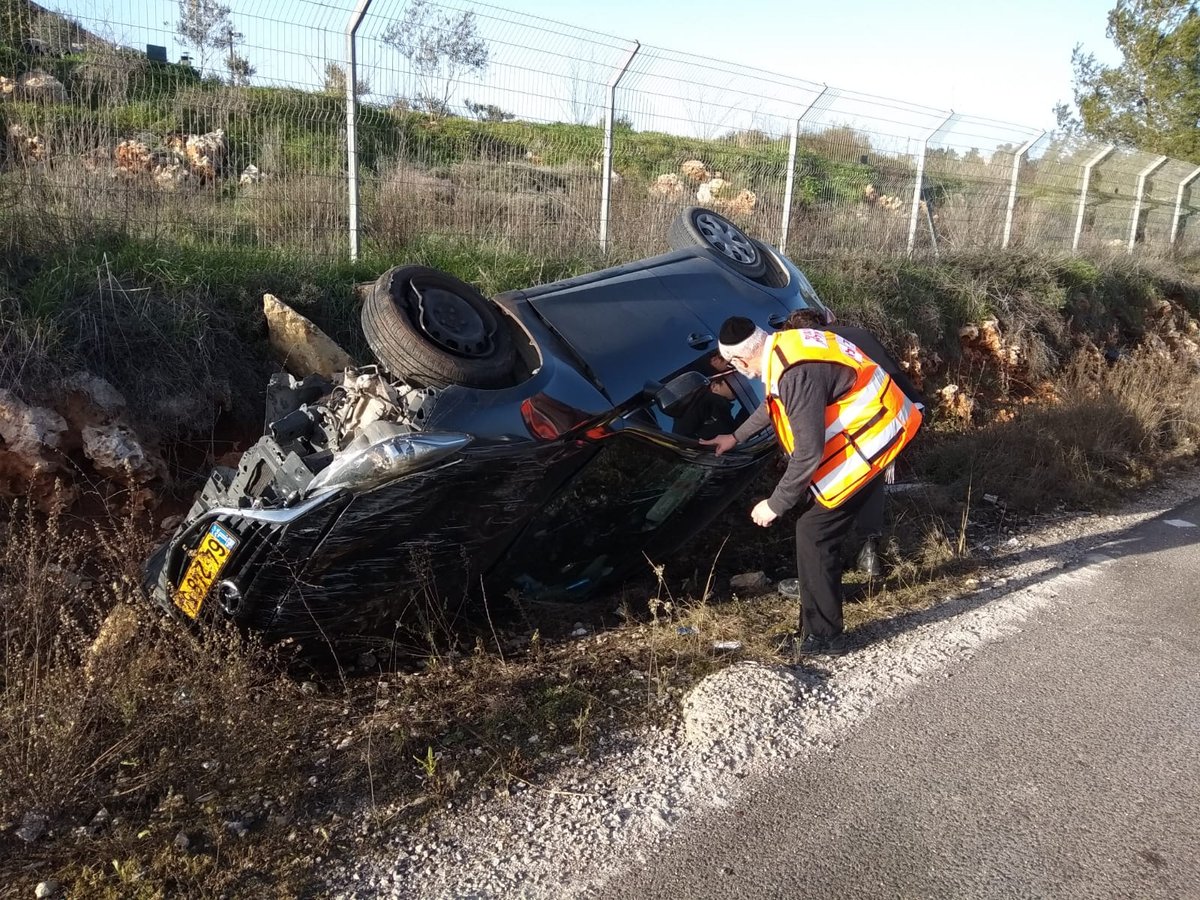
(1062, 761)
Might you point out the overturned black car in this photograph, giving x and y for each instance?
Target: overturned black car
(540, 445)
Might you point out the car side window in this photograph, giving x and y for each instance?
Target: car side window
(725, 404)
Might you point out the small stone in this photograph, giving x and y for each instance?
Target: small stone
(237, 828)
(47, 888)
(749, 581)
(33, 826)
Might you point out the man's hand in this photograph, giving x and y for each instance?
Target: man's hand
(723, 442)
(762, 514)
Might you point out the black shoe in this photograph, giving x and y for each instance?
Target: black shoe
(795, 646)
(811, 645)
(789, 587)
(868, 559)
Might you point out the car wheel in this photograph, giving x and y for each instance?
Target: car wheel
(433, 328)
(697, 226)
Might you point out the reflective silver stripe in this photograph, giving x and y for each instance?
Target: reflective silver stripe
(867, 450)
(875, 445)
(843, 473)
(868, 395)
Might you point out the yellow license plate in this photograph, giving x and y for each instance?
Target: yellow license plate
(214, 551)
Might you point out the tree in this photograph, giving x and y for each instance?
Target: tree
(238, 66)
(1151, 99)
(240, 69)
(440, 48)
(335, 81)
(201, 26)
(488, 112)
(585, 90)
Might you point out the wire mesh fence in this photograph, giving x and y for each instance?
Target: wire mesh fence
(180, 120)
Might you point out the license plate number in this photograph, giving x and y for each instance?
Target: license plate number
(214, 551)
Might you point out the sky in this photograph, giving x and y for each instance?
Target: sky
(1008, 62)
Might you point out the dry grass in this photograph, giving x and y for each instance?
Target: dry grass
(1112, 428)
(121, 732)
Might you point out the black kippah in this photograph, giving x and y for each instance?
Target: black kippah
(735, 330)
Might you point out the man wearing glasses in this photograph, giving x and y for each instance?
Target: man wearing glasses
(841, 420)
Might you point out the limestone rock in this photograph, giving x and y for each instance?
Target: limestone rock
(956, 403)
(86, 399)
(116, 452)
(667, 187)
(695, 171)
(741, 204)
(250, 175)
(33, 432)
(24, 144)
(749, 581)
(133, 157)
(206, 152)
(301, 346)
(43, 86)
(715, 189)
(32, 440)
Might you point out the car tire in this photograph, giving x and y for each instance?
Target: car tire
(428, 326)
(700, 227)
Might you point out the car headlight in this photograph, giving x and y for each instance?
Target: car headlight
(385, 460)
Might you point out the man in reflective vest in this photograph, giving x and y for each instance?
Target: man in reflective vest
(841, 420)
(871, 517)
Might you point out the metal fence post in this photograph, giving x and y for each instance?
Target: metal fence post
(1012, 188)
(352, 122)
(920, 183)
(1179, 204)
(1087, 177)
(1141, 191)
(820, 103)
(606, 168)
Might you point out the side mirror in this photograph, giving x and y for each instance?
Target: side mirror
(672, 398)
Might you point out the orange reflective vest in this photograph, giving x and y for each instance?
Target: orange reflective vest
(864, 430)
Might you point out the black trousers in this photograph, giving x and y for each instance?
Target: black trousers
(871, 510)
(819, 536)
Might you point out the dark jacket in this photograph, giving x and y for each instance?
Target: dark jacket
(805, 391)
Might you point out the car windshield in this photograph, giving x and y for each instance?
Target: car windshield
(631, 489)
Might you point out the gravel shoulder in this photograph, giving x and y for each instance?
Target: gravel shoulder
(598, 817)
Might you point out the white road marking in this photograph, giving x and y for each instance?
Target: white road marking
(1181, 523)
